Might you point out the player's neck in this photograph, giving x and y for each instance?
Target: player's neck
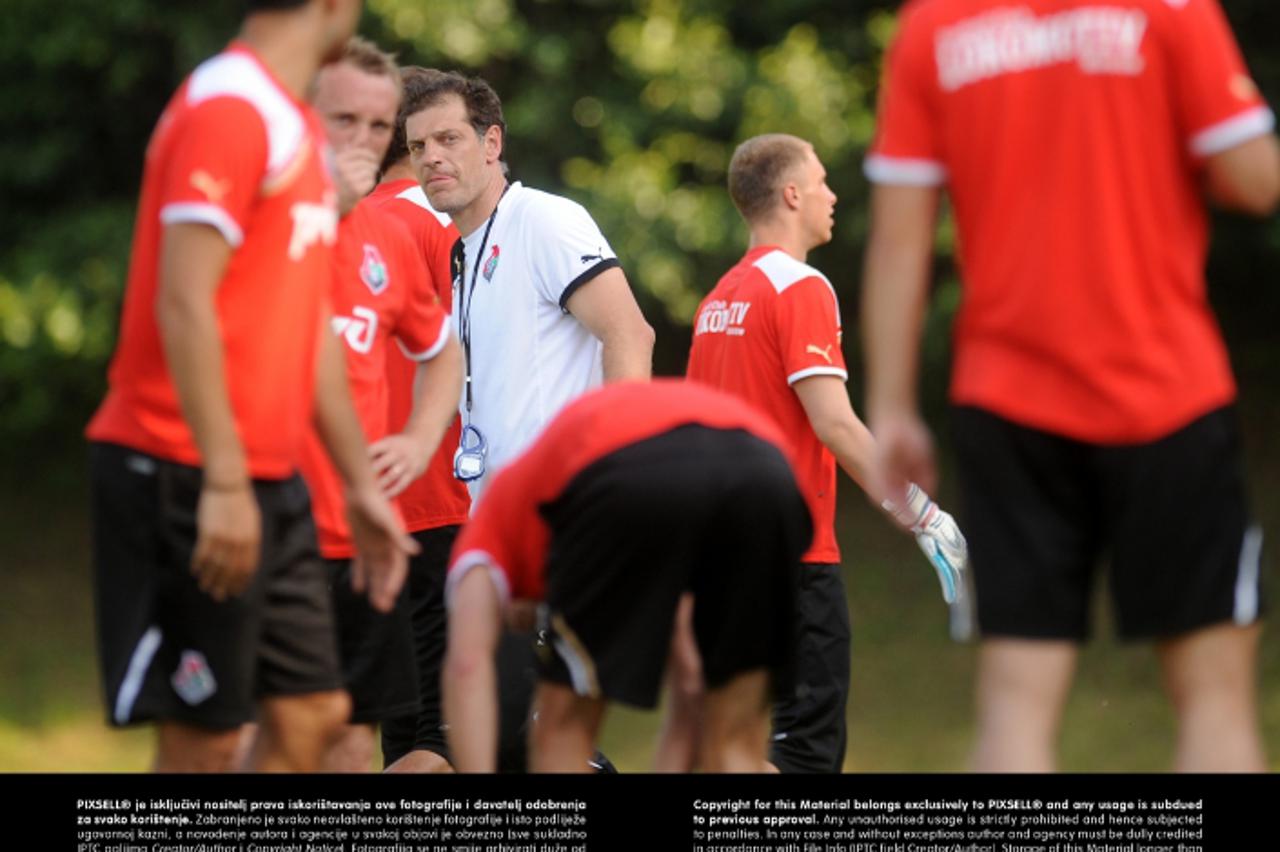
(399, 171)
(475, 214)
(287, 46)
(782, 235)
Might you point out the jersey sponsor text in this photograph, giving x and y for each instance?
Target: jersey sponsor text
(1099, 39)
(312, 223)
(720, 317)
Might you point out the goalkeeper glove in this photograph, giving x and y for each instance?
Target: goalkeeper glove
(938, 536)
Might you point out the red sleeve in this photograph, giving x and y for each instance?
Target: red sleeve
(214, 173)
(807, 319)
(506, 533)
(907, 149)
(1218, 104)
(438, 250)
(423, 326)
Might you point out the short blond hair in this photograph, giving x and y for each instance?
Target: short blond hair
(368, 57)
(757, 170)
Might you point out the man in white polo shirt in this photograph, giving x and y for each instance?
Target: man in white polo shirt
(543, 308)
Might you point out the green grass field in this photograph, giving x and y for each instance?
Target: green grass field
(910, 708)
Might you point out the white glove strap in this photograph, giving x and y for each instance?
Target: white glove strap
(916, 513)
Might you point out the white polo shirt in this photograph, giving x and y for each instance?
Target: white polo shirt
(529, 356)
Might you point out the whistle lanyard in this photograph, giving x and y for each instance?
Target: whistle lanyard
(467, 297)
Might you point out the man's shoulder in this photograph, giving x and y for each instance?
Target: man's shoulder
(406, 200)
(782, 271)
(237, 75)
(541, 206)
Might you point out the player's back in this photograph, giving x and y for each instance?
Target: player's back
(1069, 134)
(770, 322)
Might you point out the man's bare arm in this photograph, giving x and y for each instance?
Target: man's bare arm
(193, 260)
(401, 458)
(608, 309)
(826, 403)
(381, 544)
(1247, 177)
(469, 680)
(895, 289)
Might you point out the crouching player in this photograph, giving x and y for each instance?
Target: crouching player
(634, 495)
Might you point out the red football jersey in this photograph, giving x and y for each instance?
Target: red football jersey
(1070, 136)
(233, 150)
(508, 532)
(436, 498)
(768, 323)
(379, 291)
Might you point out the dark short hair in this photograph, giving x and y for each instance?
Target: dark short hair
(413, 81)
(757, 169)
(484, 108)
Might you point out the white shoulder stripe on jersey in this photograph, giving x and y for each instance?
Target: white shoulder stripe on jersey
(205, 214)
(143, 653)
(1225, 135)
(464, 564)
(418, 197)
(1246, 596)
(783, 270)
(434, 349)
(237, 75)
(817, 371)
(903, 171)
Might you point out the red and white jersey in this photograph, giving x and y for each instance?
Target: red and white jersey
(769, 322)
(1070, 135)
(508, 533)
(379, 291)
(233, 150)
(436, 498)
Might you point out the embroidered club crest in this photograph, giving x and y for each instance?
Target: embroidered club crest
(373, 270)
(491, 265)
(193, 680)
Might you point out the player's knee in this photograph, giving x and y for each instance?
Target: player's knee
(421, 761)
(183, 749)
(318, 717)
(352, 750)
(742, 750)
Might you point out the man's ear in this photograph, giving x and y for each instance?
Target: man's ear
(791, 196)
(493, 141)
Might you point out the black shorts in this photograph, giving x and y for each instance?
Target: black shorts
(1041, 512)
(376, 649)
(810, 728)
(715, 512)
(422, 731)
(167, 650)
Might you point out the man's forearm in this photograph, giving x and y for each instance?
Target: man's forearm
(437, 387)
(469, 679)
(471, 711)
